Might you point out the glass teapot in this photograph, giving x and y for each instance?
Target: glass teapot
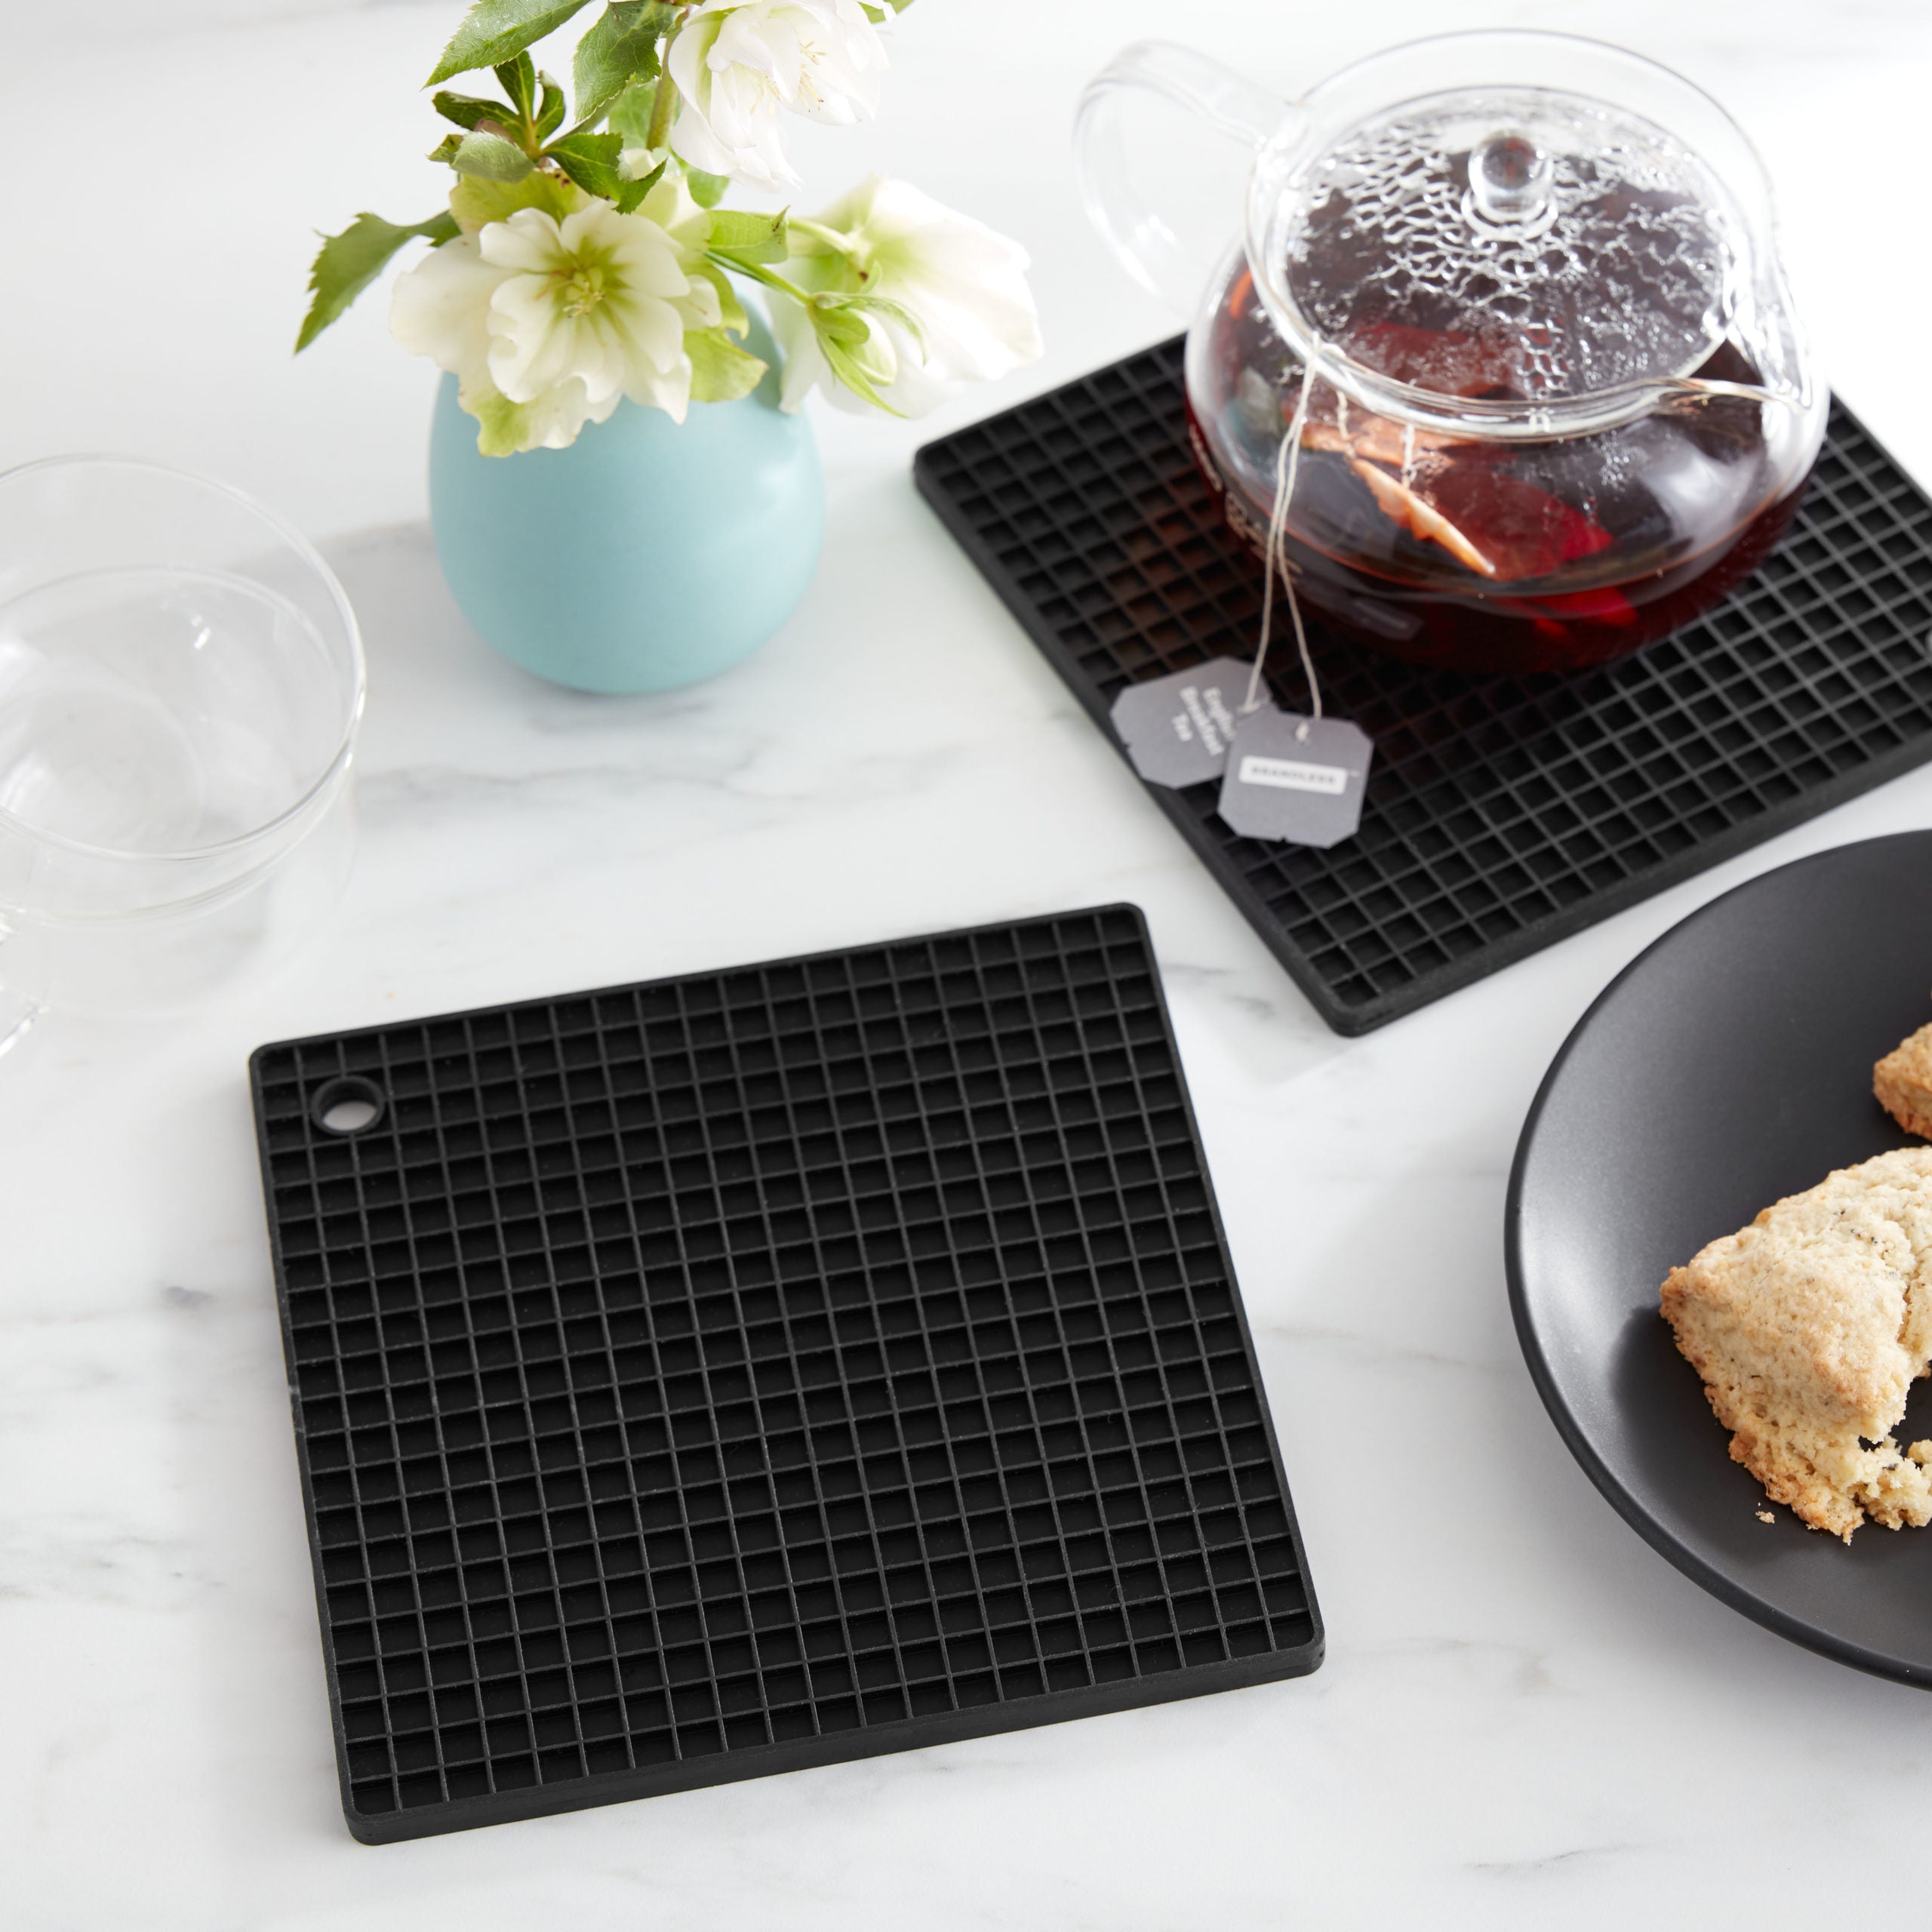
(1511, 303)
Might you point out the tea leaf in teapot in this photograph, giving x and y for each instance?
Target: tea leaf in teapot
(1524, 532)
(1419, 516)
(494, 30)
(1452, 492)
(1399, 445)
(1497, 525)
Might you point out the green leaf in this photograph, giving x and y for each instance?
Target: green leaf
(519, 79)
(840, 326)
(845, 340)
(492, 30)
(446, 150)
(731, 310)
(749, 236)
(721, 371)
(707, 190)
(619, 50)
(629, 114)
(346, 264)
(591, 161)
(492, 157)
(499, 423)
(551, 116)
(853, 374)
(476, 203)
(883, 305)
(466, 109)
(630, 195)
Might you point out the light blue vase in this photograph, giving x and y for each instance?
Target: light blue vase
(649, 555)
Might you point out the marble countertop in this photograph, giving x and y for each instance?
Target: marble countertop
(1525, 1718)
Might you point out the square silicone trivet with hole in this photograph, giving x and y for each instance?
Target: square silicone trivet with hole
(734, 1373)
(1501, 814)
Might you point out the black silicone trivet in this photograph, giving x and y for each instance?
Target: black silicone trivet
(1501, 814)
(737, 1373)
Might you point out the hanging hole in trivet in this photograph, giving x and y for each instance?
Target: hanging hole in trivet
(350, 1105)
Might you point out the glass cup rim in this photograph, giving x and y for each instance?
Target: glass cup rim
(306, 552)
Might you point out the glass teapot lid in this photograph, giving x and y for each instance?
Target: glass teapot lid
(1504, 234)
(1514, 244)
(1520, 234)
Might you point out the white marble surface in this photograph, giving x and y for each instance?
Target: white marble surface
(1525, 1719)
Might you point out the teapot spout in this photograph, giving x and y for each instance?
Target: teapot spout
(1163, 142)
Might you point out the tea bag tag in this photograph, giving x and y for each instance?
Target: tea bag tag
(1294, 779)
(1177, 729)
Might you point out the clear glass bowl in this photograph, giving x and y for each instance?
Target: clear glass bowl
(181, 681)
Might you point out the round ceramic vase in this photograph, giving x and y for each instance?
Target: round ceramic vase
(649, 555)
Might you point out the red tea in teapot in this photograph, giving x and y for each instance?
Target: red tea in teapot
(1488, 555)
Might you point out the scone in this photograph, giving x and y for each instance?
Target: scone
(1903, 1081)
(1808, 1327)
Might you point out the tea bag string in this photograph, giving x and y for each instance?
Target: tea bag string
(1288, 461)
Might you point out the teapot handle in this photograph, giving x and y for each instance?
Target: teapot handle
(1168, 207)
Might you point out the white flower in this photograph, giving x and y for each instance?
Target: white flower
(547, 324)
(672, 207)
(736, 64)
(964, 286)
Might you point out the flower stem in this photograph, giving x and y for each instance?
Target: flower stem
(759, 273)
(666, 99)
(847, 245)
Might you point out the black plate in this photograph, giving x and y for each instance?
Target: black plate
(1729, 1064)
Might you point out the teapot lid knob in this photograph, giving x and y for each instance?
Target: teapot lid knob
(1509, 245)
(1510, 179)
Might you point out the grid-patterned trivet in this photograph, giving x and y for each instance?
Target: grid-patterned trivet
(1501, 814)
(732, 1374)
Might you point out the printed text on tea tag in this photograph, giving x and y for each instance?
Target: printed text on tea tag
(1177, 729)
(1299, 780)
